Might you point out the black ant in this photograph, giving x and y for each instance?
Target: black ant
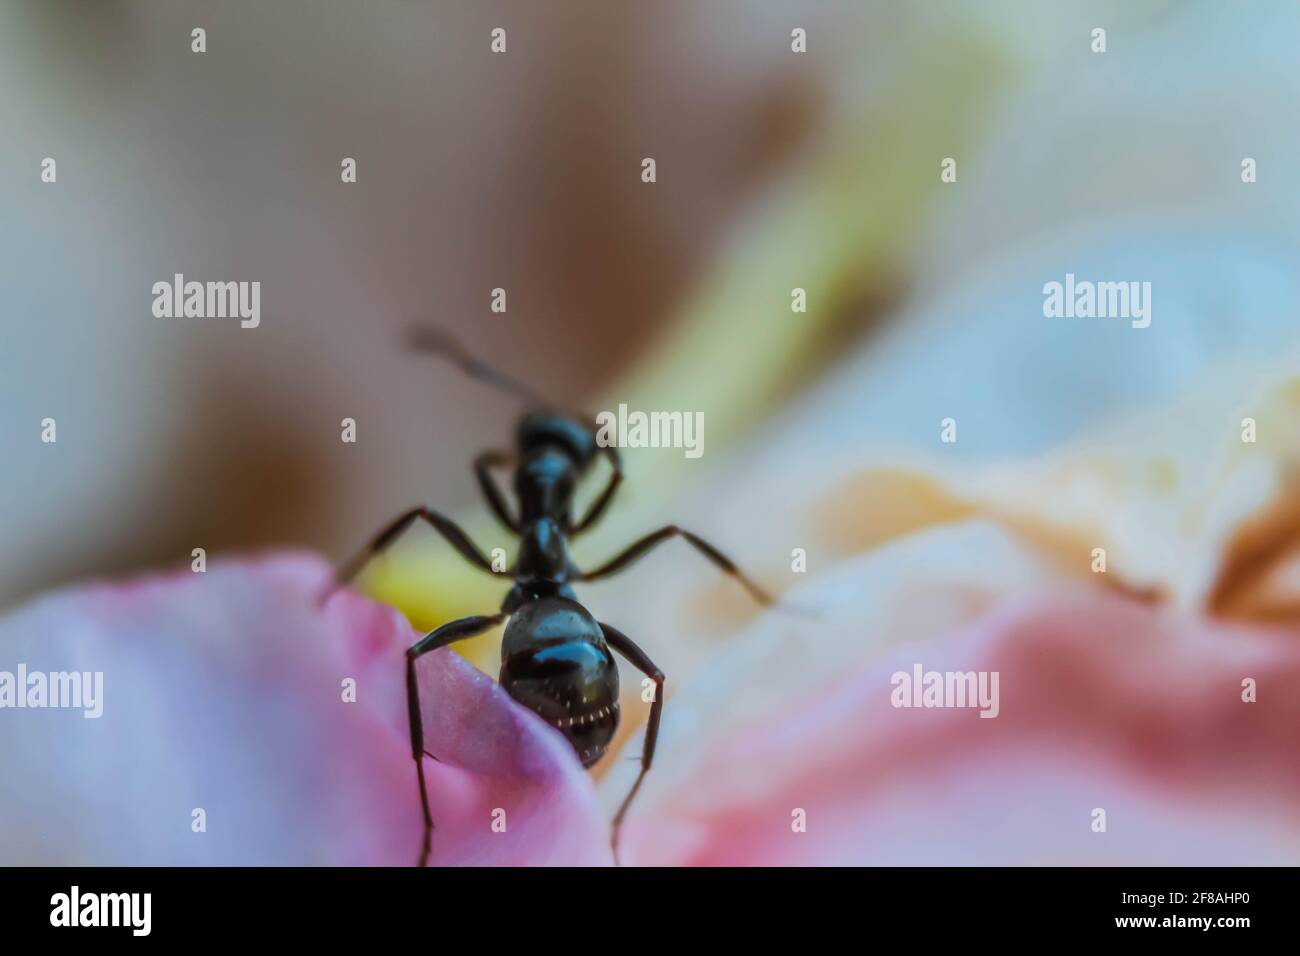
(555, 656)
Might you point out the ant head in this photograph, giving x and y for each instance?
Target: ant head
(554, 661)
(551, 428)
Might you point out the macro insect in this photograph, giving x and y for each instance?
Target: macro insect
(556, 657)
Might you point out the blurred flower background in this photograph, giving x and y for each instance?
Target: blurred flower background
(776, 170)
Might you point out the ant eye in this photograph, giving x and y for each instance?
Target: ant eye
(574, 439)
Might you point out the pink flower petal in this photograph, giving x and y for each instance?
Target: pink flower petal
(1104, 703)
(224, 691)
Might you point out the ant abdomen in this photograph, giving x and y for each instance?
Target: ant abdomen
(554, 661)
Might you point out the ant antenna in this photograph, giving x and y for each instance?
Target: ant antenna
(433, 340)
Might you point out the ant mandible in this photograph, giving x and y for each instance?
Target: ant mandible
(555, 656)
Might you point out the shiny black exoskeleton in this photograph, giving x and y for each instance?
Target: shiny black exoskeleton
(554, 661)
(556, 657)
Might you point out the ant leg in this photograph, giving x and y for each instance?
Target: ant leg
(624, 645)
(483, 466)
(640, 548)
(447, 634)
(443, 525)
(600, 504)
